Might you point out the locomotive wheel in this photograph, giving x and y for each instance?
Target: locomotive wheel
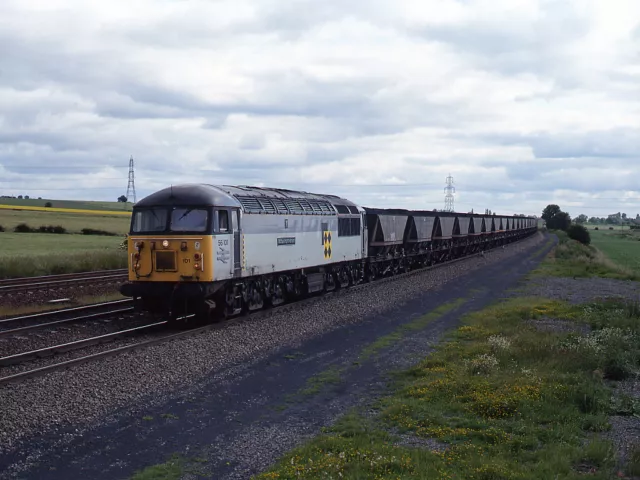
(255, 296)
(277, 293)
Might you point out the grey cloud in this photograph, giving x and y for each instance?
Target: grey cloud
(535, 47)
(620, 144)
(126, 110)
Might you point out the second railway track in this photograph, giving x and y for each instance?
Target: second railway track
(13, 285)
(36, 321)
(63, 276)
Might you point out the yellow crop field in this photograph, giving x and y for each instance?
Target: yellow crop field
(64, 210)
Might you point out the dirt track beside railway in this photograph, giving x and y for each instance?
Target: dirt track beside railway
(239, 419)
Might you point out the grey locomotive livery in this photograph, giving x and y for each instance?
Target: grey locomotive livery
(271, 245)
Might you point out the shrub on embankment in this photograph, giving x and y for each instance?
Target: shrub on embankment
(579, 233)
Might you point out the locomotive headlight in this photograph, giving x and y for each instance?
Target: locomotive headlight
(196, 256)
(165, 243)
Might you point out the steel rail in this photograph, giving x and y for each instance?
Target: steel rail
(70, 346)
(58, 283)
(63, 276)
(63, 311)
(107, 353)
(92, 316)
(234, 320)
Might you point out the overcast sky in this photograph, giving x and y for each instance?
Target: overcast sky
(524, 102)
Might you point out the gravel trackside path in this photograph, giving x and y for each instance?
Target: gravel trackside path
(235, 397)
(581, 290)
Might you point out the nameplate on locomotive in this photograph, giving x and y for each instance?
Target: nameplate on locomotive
(287, 241)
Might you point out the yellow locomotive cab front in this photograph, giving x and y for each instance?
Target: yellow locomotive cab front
(170, 258)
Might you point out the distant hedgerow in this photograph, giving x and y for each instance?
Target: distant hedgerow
(24, 228)
(93, 231)
(52, 229)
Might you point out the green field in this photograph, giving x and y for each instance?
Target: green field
(73, 222)
(80, 204)
(606, 227)
(623, 248)
(49, 244)
(30, 254)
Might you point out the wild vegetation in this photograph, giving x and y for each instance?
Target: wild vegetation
(574, 259)
(502, 398)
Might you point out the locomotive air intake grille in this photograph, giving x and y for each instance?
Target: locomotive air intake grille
(165, 261)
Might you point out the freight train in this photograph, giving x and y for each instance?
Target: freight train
(220, 251)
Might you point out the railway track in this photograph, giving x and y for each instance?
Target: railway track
(20, 358)
(27, 356)
(11, 285)
(54, 318)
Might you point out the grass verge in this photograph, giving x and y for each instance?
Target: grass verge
(622, 247)
(519, 391)
(573, 259)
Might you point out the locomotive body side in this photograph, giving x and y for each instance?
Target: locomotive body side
(283, 242)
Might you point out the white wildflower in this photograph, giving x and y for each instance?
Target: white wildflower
(482, 364)
(499, 342)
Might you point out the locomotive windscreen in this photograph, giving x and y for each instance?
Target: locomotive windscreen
(181, 219)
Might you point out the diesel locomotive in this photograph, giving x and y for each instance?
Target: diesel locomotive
(218, 250)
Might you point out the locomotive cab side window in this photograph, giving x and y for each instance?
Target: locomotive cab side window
(223, 221)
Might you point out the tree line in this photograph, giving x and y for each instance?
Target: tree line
(556, 219)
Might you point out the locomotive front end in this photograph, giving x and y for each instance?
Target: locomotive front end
(174, 254)
(170, 253)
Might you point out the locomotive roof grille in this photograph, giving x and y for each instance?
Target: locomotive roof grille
(253, 204)
(268, 205)
(250, 204)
